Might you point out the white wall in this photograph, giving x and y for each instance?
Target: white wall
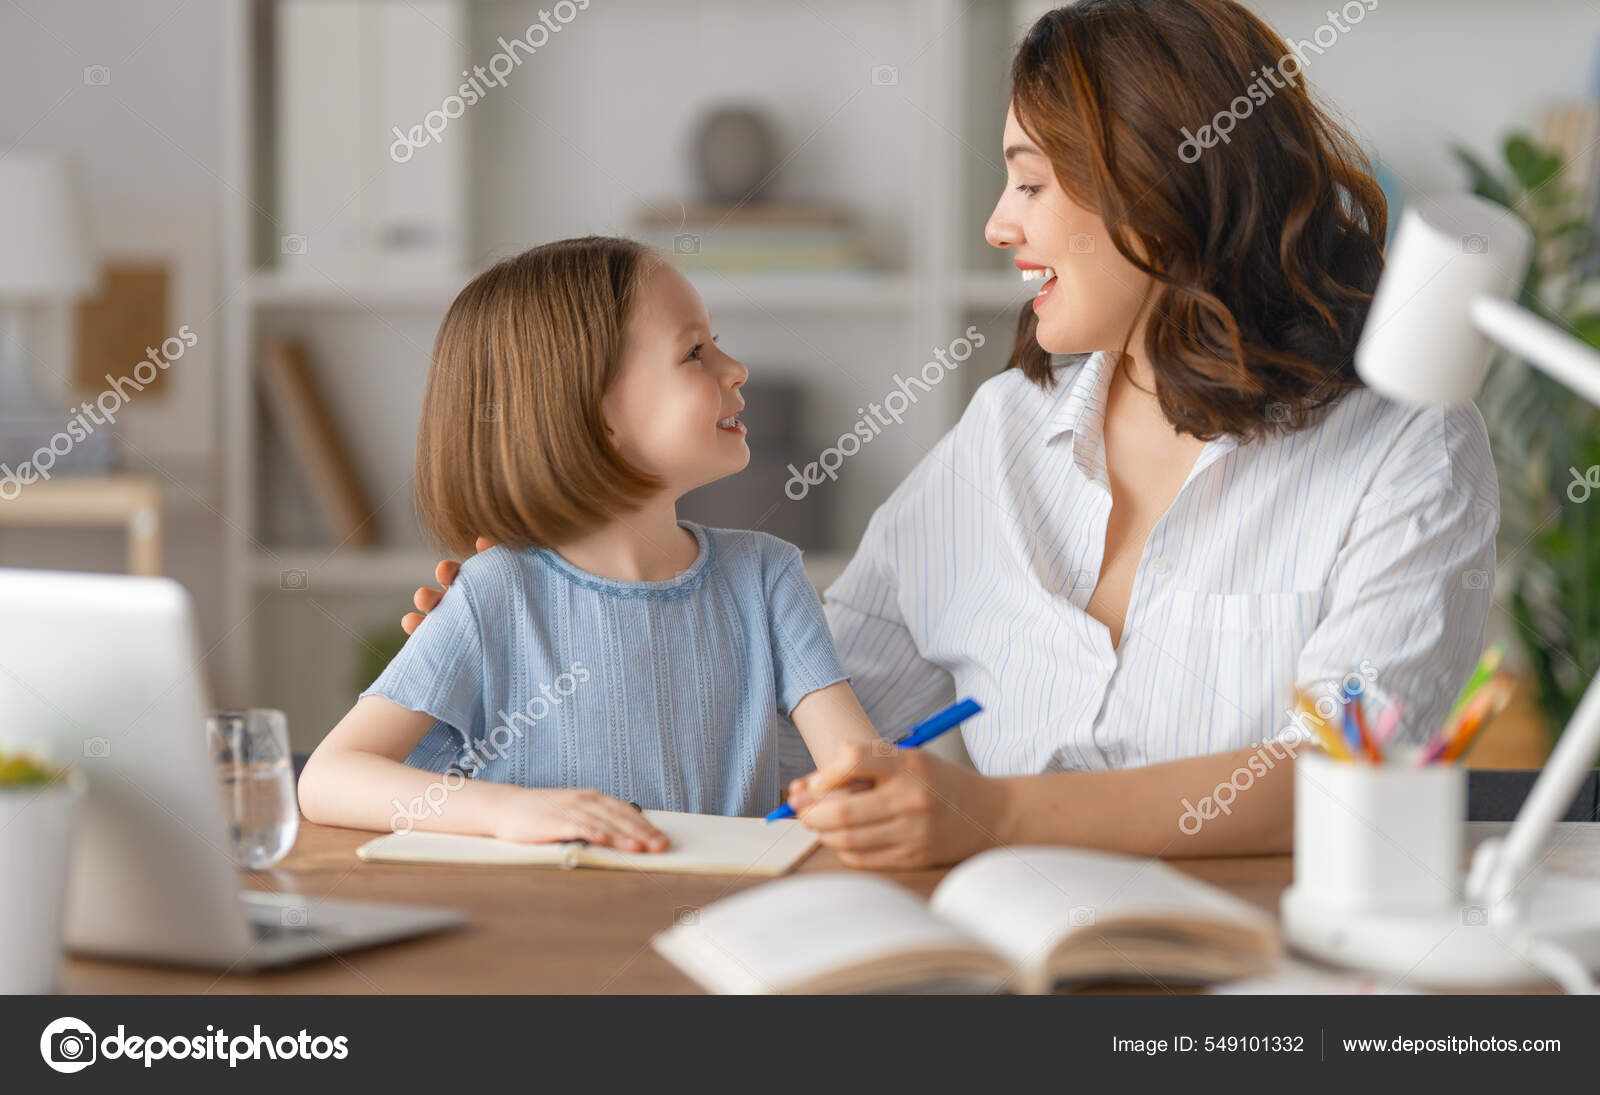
(147, 145)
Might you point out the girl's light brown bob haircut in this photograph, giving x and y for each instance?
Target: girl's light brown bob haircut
(512, 443)
(1263, 251)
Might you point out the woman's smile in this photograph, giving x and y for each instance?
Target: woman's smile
(1032, 271)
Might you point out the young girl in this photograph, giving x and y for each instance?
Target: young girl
(604, 656)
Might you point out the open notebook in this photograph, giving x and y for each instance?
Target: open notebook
(701, 844)
(1019, 919)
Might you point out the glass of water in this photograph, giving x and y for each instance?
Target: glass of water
(250, 747)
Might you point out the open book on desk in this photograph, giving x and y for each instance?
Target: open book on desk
(1021, 919)
(700, 844)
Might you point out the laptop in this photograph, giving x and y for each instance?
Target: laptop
(102, 672)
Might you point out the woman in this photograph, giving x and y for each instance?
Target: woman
(1134, 553)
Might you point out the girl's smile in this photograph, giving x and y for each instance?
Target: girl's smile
(672, 382)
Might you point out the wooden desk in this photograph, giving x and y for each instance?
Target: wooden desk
(553, 931)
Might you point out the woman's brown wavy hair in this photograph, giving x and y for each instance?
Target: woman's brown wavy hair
(1264, 251)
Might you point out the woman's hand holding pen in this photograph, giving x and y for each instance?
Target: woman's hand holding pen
(884, 808)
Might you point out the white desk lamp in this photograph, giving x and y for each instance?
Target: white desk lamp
(42, 257)
(1441, 303)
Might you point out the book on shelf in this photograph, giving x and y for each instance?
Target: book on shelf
(757, 237)
(315, 442)
(1020, 919)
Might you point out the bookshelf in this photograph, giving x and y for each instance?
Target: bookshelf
(559, 152)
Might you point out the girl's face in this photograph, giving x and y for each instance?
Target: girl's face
(1093, 298)
(673, 408)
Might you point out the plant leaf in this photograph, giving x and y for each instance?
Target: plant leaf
(1482, 179)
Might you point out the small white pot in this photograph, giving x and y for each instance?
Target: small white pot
(35, 854)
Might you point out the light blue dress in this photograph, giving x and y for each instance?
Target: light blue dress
(673, 695)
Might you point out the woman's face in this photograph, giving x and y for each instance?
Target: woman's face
(673, 407)
(1093, 298)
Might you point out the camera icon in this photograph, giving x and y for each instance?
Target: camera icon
(1475, 579)
(96, 747)
(1080, 243)
(1277, 412)
(686, 243)
(72, 1047)
(1474, 916)
(1082, 579)
(1081, 915)
(685, 916)
(489, 412)
(293, 916)
(293, 244)
(885, 76)
(1475, 244)
(883, 748)
(292, 579)
(96, 75)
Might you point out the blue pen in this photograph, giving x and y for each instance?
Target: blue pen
(920, 734)
(1352, 732)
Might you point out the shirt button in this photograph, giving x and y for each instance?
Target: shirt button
(1160, 564)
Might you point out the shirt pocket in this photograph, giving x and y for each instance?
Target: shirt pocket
(1252, 613)
(1254, 642)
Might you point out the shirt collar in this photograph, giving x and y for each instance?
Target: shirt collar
(1082, 415)
(1082, 408)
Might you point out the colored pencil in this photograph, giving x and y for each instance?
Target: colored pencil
(1482, 672)
(1489, 698)
(1389, 721)
(1326, 736)
(1368, 744)
(1495, 695)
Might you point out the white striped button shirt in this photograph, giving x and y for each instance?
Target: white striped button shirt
(1363, 544)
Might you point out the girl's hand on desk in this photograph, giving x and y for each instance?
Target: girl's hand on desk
(427, 599)
(907, 808)
(539, 815)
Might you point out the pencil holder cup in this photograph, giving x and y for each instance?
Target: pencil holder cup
(1378, 838)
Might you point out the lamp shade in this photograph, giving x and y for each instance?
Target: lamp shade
(42, 250)
(1419, 344)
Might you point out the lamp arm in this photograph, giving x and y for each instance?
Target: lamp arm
(1501, 865)
(1556, 352)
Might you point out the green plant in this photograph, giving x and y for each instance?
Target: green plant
(1546, 439)
(21, 770)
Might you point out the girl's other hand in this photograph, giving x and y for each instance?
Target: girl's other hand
(540, 815)
(427, 599)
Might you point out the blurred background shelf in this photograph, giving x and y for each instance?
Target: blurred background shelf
(831, 292)
(396, 572)
(390, 571)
